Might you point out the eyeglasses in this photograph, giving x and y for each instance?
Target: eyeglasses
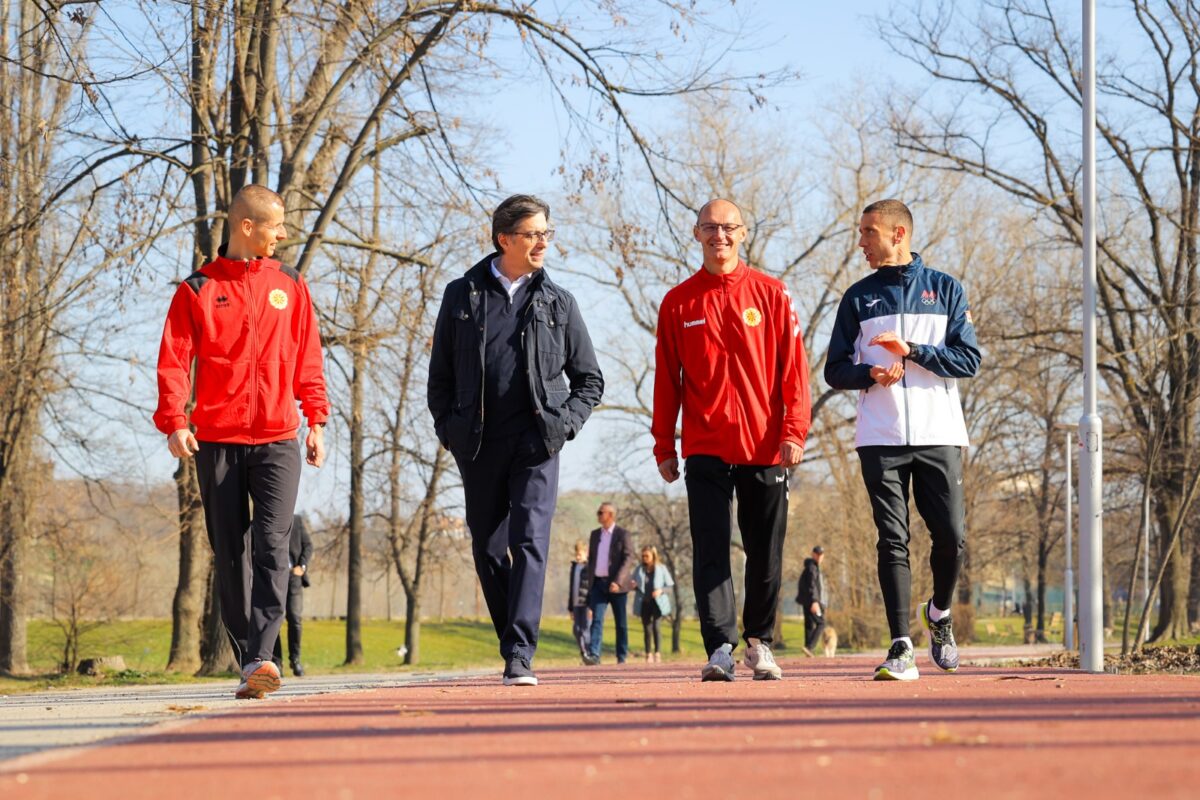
(708, 228)
(530, 236)
(281, 227)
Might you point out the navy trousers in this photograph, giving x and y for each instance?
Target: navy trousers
(511, 488)
(250, 554)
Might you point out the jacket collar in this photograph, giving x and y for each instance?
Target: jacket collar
(480, 274)
(906, 272)
(729, 280)
(225, 264)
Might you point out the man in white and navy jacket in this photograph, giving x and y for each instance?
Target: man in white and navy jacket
(902, 337)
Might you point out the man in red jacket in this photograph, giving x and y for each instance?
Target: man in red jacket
(248, 322)
(730, 353)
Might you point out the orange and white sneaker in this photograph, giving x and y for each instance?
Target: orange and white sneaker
(259, 678)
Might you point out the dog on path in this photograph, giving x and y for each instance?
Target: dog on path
(829, 641)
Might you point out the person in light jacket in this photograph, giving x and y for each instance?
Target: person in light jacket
(651, 600)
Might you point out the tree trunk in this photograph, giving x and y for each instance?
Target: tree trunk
(412, 626)
(195, 563)
(354, 647)
(216, 650)
(1173, 594)
(1043, 558)
(13, 660)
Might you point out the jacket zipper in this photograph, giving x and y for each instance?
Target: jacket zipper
(253, 349)
(482, 365)
(904, 378)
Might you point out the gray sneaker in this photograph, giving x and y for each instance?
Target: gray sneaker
(720, 665)
(761, 662)
(943, 650)
(900, 664)
(517, 672)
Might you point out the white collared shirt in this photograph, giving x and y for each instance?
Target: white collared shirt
(601, 569)
(509, 286)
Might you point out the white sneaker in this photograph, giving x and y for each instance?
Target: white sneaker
(761, 661)
(720, 665)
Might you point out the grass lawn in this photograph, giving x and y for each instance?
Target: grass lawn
(450, 645)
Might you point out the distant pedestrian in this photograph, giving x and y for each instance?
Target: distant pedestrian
(248, 323)
(902, 338)
(577, 593)
(610, 577)
(730, 354)
(651, 600)
(299, 553)
(510, 340)
(812, 598)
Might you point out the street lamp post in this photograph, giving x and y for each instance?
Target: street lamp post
(1069, 572)
(1091, 609)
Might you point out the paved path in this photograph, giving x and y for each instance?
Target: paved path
(824, 731)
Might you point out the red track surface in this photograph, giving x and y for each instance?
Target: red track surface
(826, 730)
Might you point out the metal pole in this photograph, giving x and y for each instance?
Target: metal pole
(1091, 570)
(1069, 576)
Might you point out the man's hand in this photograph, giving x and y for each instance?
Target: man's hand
(891, 341)
(886, 376)
(815, 608)
(669, 470)
(614, 588)
(790, 454)
(315, 444)
(182, 443)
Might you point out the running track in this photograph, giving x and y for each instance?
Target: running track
(639, 731)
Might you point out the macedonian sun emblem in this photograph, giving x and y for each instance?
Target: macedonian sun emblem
(752, 317)
(278, 298)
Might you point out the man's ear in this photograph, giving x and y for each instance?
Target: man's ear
(898, 234)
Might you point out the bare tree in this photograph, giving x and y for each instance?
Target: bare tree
(1017, 73)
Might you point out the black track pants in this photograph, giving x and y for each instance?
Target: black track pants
(936, 476)
(250, 554)
(762, 495)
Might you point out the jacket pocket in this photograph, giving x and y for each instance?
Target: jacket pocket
(222, 394)
(276, 403)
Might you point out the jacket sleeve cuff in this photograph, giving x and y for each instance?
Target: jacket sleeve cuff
(172, 424)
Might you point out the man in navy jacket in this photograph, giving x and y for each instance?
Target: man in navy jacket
(512, 377)
(902, 337)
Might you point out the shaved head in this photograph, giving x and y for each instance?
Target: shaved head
(716, 205)
(253, 202)
(893, 211)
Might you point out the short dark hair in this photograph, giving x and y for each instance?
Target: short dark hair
(892, 209)
(510, 213)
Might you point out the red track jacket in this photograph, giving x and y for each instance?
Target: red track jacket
(251, 327)
(729, 351)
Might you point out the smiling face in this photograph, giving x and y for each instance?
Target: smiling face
(264, 233)
(720, 231)
(524, 248)
(881, 240)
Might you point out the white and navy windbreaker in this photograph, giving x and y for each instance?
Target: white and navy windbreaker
(929, 310)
